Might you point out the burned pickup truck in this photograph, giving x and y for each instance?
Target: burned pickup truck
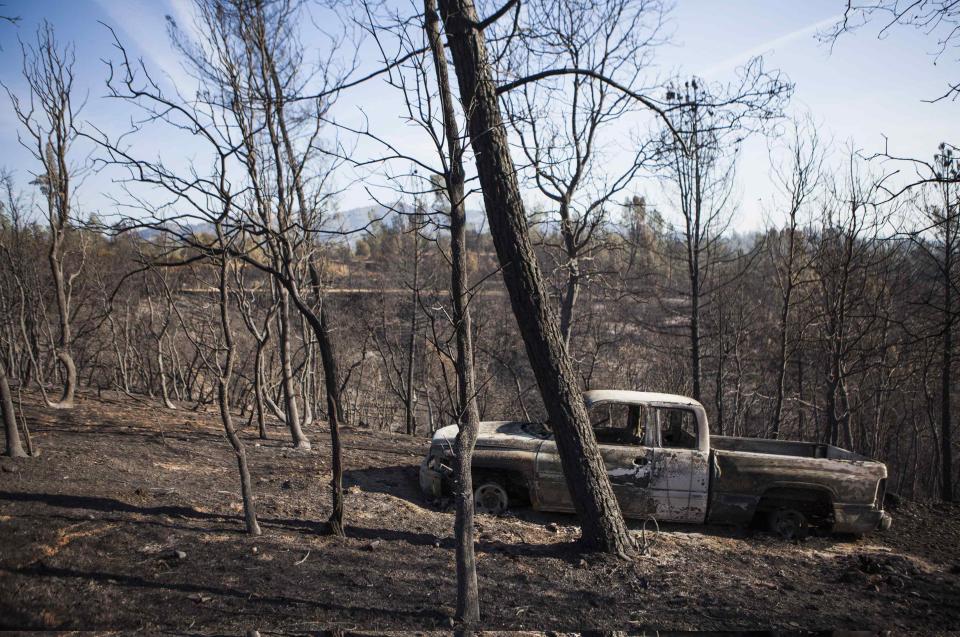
(663, 462)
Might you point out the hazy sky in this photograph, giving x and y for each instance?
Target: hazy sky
(863, 91)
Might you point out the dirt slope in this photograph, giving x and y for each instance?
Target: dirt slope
(130, 520)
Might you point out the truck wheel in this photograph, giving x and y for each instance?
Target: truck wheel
(789, 524)
(490, 497)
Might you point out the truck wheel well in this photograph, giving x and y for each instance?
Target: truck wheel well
(815, 504)
(513, 481)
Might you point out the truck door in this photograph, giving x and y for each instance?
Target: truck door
(550, 491)
(627, 456)
(681, 464)
(624, 445)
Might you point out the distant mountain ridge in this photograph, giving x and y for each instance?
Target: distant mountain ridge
(354, 219)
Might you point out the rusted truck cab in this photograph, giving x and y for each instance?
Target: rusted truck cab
(663, 462)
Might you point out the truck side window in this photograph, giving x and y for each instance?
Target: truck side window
(678, 428)
(617, 423)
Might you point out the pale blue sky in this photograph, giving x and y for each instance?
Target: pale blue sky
(863, 90)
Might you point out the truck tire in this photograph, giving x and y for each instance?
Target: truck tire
(490, 497)
(788, 523)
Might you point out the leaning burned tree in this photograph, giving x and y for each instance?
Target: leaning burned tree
(602, 523)
(47, 114)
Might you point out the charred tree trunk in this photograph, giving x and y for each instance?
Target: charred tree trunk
(63, 310)
(162, 372)
(721, 423)
(602, 523)
(335, 416)
(58, 209)
(319, 324)
(223, 387)
(946, 373)
(307, 375)
(695, 360)
(783, 330)
(572, 288)
(47, 116)
(14, 449)
(468, 600)
(800, 181)
(55, 257)
(780, 390)
(408, 403)
(258, 390)
(292, 413)
(570, 296)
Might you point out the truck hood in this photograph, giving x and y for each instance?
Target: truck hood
(495, 433)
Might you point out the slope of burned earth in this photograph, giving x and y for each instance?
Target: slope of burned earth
(130, 519)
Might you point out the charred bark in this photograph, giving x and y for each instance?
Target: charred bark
(468, 601)
(408, 406)
(291, 411)
(602, 523)
(335, 415)
(258, 391)
(223, 395)
(946, 372)
(14, 448)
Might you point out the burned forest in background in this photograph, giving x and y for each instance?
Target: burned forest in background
(564, 222)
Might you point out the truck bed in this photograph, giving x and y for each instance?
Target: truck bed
(751, 474)
(783, 448)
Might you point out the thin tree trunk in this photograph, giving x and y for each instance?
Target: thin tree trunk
(468, 599)
(258, 391)
(246, 490)
(29, 344)
(14, 449)
(49, 74)
(335, 415)
(602, 523)
(411, 425)
(570, 297)
(331, 378)
(946, 375)
(782, 332)
(721, 422)
(572, 291)
(23, 424)
(292, 413)
(165, 394)
(58, 221)
(306, 376)
(801, 416)
(695, 363)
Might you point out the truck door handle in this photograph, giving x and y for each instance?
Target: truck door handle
(641, 461)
